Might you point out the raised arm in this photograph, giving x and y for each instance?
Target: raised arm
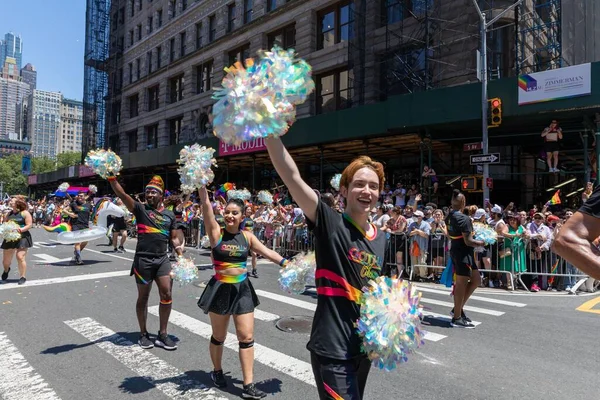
(118, 189)
(258, 247)
(213, 230)
(303, 195)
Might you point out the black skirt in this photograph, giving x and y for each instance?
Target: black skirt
(228, 298)
(25, 242)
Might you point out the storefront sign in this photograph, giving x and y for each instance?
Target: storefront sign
(246, 147)
(555, 84)
(84, 171)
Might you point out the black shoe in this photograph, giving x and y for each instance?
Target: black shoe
(461, 323)
(218, 378)
(115, 250)
(251, 392)
(5, 275)
(254, 273)
(22, 280)
(78, 260)
(164, 341)
(122, 249)
(145, 342)
(463, 315)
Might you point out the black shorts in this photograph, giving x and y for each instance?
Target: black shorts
(148, 268)
(340, 379)
(119, 224)
(25, 242)
(76, 227)
(464, 269)
(551, 147)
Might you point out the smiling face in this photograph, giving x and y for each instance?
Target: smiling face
(153, 197)
(233, 216)
(362, 192)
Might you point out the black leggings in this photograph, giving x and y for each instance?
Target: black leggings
(340, 379)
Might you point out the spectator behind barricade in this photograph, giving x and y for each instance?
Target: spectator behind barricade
(482, 258)
(552, 134)
(523, 218)
(408, 214)
(496, 222)
(419, 232)
(471, 210)
(386, 195)
(396, 227)
(589, 188)
(541, 240)
(514, 259)
(381, 217)
(412, 196)
(437, 242)
(400, 195)
(428, 211)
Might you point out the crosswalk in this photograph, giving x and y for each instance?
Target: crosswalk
(162, 372)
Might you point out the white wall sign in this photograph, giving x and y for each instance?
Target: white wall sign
(555, 84)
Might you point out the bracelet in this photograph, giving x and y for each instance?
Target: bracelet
(111, 178)
(283, 262)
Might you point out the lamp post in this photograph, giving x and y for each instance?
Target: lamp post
(484, 25)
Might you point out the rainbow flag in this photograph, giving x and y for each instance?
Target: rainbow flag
(556, 198)
(62, 227)
(223, 189)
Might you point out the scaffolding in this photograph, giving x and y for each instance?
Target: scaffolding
(538, 36)
(95, 84)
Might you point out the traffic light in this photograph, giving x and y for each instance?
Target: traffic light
(494, 112)
(468, 184)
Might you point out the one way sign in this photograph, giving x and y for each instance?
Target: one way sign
(493, 158)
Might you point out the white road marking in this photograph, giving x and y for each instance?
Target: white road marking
(265, 316)
(159, 373)
(287, 300)
(65, 279)
(466, 308)
(433, 337)
(479, 298)
(47, 258)
(18, 379)
(35, 247)
(104, 254)
(281, 362)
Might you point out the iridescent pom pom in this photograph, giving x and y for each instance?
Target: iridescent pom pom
(195, 167)
(242, 194)
(9, 231)
(104, 162)
(93, 189)
(335, 182)
(184, 271)
(389, 322)
(205, 242)
(63, 187)
(485, 233)
(298, 273)
(265, 197)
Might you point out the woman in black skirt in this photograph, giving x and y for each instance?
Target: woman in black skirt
(229, 292)
(21, 217)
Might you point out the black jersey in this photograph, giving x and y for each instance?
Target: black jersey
(17, 218)
(459, 223)
(83, 213)
(231, 252)
(154, 229)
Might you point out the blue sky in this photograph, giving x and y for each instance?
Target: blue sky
(53, 33)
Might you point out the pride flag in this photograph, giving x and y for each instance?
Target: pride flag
(556, 198)
(72, 191)
(62, 227)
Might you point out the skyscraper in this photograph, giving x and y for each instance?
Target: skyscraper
(71, 126)
(29, 76)
(12, 94)
(44, 122)
(11, 46)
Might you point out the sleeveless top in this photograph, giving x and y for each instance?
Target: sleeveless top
(231, 252)
(17, 218)
(248, 224)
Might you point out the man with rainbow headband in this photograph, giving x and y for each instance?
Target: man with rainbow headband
(156, 226)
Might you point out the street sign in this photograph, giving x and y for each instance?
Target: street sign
(473, 146)
(493, 158)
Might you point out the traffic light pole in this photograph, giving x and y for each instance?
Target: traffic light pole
(484, 25)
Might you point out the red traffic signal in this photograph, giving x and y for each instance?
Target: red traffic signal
(495, 112)
(469, 183)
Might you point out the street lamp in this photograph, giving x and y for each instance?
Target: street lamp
(484, 80)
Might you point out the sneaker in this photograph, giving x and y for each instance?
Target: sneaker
(78, 260)
(122, 249)
(5, 275)
(463, 315)
(145, 342)
(115, 250)
(164, 341)
(251, 392)
(254, 273)
(535, 288)
(22, 280)
(218, 378)
(461, 323)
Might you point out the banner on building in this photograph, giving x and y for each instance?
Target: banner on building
(26, 165)
(252, 146)
(555, 84)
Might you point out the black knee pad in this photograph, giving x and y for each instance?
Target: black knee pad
(215, 341)
(246, 345)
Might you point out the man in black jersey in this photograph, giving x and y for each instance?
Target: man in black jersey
(156, 227)
(79, 212)
(577, 239)
(460, 231)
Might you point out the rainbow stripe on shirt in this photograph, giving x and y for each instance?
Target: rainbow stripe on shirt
(346, 290)
(222, 265)
(145, 229)
(231, 278)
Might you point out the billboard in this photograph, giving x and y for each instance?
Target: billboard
(555, 84)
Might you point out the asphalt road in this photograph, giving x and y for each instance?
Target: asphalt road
(69, 332)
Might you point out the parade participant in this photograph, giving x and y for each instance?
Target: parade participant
(349, 252)
(151, 264)
(19, 214)
(248, 226)
(460, 232)
(79, 213)
(119, 228)
(230, 292)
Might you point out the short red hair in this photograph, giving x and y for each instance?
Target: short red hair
(359, 163)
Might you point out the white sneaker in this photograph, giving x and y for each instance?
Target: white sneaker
(491, 284)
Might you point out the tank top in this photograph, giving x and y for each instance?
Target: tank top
(248, 224)
(230, 252)
(17, 218)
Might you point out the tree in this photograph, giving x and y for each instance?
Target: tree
(14, 182)
(39, 165)
(68, 158)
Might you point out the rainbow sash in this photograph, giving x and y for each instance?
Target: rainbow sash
(231, 278)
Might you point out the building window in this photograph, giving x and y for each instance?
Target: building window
(158, 57)
(198, 35)
(122, 15)
(153, 97)
(131, 8)
(159, 18)
(151, 136)
(140, 5)
(230, 17)
(240, 54)
(284, 37)
(204, 76)
(172, 50)
(184, 5)
(334, 91)
(336, 24)
(172, 8)
(138, 73)
(116, 113)
(150, 24)
(212, 28)
(248, 5)
(130, 72)
(182, 43)
(175, 130)
(131, 37)
(271, 5)
(133, 106)
(149, 62)
(132, 139)
(176, 88)
(113, 143)
(392, 11)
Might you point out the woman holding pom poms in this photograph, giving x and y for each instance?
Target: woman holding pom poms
(229, 292)
(349, 252)
(20, 216)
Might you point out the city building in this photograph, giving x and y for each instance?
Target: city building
(71, 126)
(10, 69)
(29, 76)
(398, 80)
(13, 92)
(44, 122)
(11, 46)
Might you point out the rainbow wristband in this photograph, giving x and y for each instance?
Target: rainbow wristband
(111, 178)
(283, 262)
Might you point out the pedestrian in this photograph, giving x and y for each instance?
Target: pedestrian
(349, 252)
(119, 228)
(18, 213)
(155, 227)
(229, 293)
(79, 212)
